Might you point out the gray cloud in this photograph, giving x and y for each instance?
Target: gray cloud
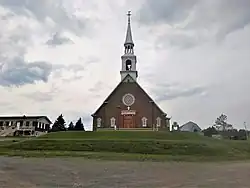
(59, 69)
(72, 79)
(75, 67)
(17, 72)
(43, 10)
(14, 41)
(92, 59)
(57, 40)
(100, 86)
(39, 96)
(167, 11)
(7, 106)
(182, 41)
(205, 20)
(165, 92)
(42, 96)
(220, 17)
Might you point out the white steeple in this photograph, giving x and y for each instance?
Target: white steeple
(129, 59)
(129, 40)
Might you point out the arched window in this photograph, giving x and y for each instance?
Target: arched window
(158, 121)
(144, 122)
(128, 65)
(112, 122)
(99, 122)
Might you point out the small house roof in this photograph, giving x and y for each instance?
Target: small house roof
(24, 117)
(190, 126)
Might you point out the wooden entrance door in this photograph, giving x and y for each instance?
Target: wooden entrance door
(128, 121)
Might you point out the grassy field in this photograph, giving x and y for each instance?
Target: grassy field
(128, 145)
(127, 135)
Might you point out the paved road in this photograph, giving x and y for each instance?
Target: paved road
(77, 173)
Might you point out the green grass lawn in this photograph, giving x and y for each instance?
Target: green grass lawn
(128, 145)
(118, 135)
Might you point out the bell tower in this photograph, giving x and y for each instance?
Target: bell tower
(129, 59)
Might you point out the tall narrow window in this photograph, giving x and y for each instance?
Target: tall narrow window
(18, 125)
(158, 121)
(27, 123)
(144, 122)
(99, 122)
(112, 122)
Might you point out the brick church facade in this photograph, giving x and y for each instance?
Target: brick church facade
(129, 106)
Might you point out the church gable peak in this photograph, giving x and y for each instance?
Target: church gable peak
(128, 79)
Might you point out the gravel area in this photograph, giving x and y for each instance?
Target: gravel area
(76, 173)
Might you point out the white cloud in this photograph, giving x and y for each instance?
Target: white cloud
(193, 58)
(57, 39)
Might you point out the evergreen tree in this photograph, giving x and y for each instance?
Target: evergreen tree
(71, 126)
(79, 125)
(59, 124)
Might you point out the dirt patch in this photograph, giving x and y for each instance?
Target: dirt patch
(77, 173)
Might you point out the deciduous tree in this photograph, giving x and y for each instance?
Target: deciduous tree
(221, 123)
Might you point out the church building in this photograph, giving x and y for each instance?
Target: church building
(129, 106)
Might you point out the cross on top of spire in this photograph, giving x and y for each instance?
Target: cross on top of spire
(129, 15)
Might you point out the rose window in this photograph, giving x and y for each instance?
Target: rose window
(128, 99)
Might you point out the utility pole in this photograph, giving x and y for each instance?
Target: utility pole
(245, 125)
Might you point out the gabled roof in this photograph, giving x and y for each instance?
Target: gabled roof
(119, 86)
(24, 117)
(190, 126)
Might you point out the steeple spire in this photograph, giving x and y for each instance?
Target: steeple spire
(129, 39)
(129, 58)
(129, 44)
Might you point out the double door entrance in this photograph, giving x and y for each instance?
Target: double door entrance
(127, 121)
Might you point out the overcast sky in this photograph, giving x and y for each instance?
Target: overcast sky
(63, 56)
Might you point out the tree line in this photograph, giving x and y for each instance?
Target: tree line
(221, 128)
(226, 130)
(60, 125)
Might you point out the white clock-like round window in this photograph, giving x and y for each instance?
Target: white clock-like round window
(128, 99)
